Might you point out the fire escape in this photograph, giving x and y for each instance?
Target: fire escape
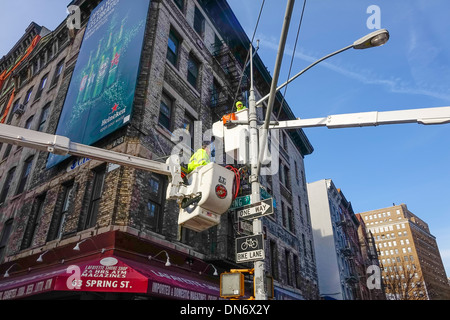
(223, 95)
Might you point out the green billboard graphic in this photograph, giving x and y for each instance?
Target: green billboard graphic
(101, 92)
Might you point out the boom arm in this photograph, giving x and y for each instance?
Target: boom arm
(422, 116)
(62, 146)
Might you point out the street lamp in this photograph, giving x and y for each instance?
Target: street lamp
(374, 39)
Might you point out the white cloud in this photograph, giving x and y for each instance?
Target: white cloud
(394, 84)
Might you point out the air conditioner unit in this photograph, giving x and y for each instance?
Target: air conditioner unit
(20, 109)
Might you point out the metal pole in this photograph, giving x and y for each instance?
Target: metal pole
(259, 266)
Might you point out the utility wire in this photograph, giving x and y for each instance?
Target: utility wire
(248, 57)
(292, 59)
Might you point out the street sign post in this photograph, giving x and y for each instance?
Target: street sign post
(256, 210)
(250, 248)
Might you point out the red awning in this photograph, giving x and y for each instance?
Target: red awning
(111, 274)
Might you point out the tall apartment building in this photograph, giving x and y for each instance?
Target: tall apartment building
(411, 264)
(179, 64)
(340, 265)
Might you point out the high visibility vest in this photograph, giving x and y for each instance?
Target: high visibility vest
(199, 158)
(240, 106)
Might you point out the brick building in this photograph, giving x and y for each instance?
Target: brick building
(189, 76)
(408, 255)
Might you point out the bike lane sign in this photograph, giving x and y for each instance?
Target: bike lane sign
(250, 248)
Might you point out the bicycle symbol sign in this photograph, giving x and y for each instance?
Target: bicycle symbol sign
(250, 248)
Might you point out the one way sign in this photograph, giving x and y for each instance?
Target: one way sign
(256, 210)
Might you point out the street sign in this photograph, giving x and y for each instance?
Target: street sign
(245, 227)
(256, 210)
(239, 202)
(250, 248)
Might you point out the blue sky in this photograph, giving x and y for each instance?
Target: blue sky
(377, 166)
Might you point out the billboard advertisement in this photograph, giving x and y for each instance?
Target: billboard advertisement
(101, 92)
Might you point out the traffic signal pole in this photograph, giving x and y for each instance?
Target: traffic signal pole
(254, 145)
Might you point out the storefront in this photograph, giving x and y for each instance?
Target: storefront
(114, 270)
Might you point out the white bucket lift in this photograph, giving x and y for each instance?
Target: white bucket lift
(234, 136)
(214, 184)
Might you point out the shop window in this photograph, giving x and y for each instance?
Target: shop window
(173, 48)
(7, 184)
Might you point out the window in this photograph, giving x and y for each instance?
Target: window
(215, 93)
(274, 259)
(290, 221)
(64, 210)
(28, 96)
(44, 116)
(199, 22)
(96, 195)
(12, 111)
(5, 236)
(41, 86)
(155, 202)
(173, 48)
(188, 124)
(7, 151)
(297, 272)
(165, 112)
(25, 173)
(58, 71)
(193, 71)
(33, 222)
(7, 184)
(28, 122)
(288, 267)
(180, 4)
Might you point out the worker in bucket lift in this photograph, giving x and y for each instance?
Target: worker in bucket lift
(199, 158)
(240, 106)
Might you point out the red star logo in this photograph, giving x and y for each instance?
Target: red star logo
(114, 109)
(115, 60)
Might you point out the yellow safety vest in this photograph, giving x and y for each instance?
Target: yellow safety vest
(199, 158)
(240, 106)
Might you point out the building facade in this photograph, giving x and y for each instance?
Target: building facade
(371, 287)
(338, 255)
(408, 254)
(190, 66)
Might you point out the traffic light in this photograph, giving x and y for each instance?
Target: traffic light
(232, 285)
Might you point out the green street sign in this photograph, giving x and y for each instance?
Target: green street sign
(243, 201)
